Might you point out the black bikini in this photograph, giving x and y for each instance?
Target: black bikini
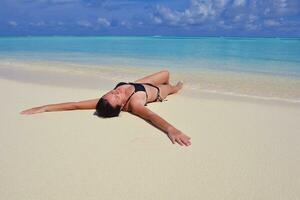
(140, 87)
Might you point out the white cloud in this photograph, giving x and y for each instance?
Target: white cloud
(280, 3)
(251, 27)
(84, 23)
(285, 7)
(57, 1)
(13, 23)
(41, 23)
(247, 15)
(238, 18)
(125, 24)
(88, 3)
(251, 23)
(221, 3)
(239, 2)
(271, 22)
(223, 25)
(252, 18)
(173, 17)
(157, 20)
(201, 8)
(103, 22)
(198, 12)
(63, 1)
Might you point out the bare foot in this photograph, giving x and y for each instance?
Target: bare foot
(178, 86)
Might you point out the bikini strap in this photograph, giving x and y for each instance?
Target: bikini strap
(120, 84)
(158, 97)
(140, 87)
(129, 98)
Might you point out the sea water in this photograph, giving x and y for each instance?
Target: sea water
(266, 68)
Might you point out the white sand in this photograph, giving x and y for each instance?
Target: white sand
(239, 150)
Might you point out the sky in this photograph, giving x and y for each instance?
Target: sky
(271, 18)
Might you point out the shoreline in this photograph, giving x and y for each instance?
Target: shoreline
(154, 36)
(104, 78)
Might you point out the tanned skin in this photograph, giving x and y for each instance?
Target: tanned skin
(136, 104)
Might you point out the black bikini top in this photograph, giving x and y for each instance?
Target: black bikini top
(137, 88)
(140, 87)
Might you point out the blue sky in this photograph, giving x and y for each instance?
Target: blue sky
(150, 17)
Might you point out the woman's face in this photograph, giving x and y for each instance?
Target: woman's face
(114, 97)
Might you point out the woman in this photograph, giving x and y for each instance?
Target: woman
(130, 97)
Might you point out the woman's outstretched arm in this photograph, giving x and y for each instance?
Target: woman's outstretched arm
(174, 134)
(81, 105)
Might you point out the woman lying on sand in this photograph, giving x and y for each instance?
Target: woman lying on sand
(130, 97)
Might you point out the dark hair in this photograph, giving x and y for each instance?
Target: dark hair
(105, 109)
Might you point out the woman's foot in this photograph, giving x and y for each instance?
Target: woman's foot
(177, 87)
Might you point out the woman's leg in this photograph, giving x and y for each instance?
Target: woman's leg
(158, 78)
(168, 89)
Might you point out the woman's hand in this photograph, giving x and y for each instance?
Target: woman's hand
(34, 110)
(176, 135)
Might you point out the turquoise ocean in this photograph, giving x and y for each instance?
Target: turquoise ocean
(263, 68)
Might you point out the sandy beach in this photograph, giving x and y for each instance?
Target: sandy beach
(238, 107)
(240, 149)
